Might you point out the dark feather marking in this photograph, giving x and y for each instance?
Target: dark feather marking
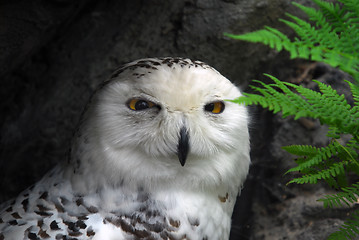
(223, 199)
(44, 195)
(75, 234)
(2, 236)
(43, 214)
(79, 201)
(60, 236)
(16, 215)
(81, 224)
(74, 228)
(152, 213)
(25, 204)
(92, 209)
(13, 222)
(64, 201)
(54, 226)
(84, 217)
(42, 208)
(156, 227)
(43, 234)
(184, 237)
(129, 229)
(150, 64)
(1, 221)
(90, 232)
(114, 221)
(164, 235)
(193, 221)
(174, 223)
(71, 226)
(40, 223)
(142, 234)
(32, 236)
(59, 208)
(9, 209)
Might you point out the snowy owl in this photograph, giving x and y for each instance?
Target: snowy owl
(159, 154)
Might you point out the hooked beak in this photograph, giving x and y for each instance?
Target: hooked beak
(183, 146)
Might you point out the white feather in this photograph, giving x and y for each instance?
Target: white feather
(125, 178)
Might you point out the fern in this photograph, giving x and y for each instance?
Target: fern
(330, 36)
(312, 158)
(348, 196)
(349, 230)
(326, 105)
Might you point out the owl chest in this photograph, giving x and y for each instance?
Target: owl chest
(196, 215)
(178, 215)
(170, 216)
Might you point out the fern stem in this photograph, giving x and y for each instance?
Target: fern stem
(349, 154)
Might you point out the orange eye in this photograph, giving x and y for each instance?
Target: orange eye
(139, 104)
(214, 107)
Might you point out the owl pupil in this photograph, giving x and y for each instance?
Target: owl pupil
(140, 105)
(209, 107)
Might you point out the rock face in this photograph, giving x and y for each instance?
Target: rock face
(55, 53)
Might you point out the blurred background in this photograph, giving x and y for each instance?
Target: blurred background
(53, 54)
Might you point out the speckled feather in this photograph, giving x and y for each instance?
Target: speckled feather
(124, 180)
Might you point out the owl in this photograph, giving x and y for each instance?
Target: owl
(159, 154)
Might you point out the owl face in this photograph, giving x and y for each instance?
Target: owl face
(171, 117)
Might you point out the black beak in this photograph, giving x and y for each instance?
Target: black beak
(183, 146)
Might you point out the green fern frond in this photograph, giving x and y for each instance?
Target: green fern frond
(332, 38)
(355, 92)
(268, 36)
(327, 105)
(354, 144)
(349, 230)
(329, 173)
(286, 101)
(349, 195)
(316, 165)
(327, 37)
(333, 132)
(338, 112)
(314, 155)
(333, 13)
(351, 6)
(301, 150)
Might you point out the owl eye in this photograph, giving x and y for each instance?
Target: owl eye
(214, 107)
(139, 104)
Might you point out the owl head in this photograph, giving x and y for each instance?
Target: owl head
(164, 121)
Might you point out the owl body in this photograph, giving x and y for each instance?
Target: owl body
(57, 212)
(159, 154)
